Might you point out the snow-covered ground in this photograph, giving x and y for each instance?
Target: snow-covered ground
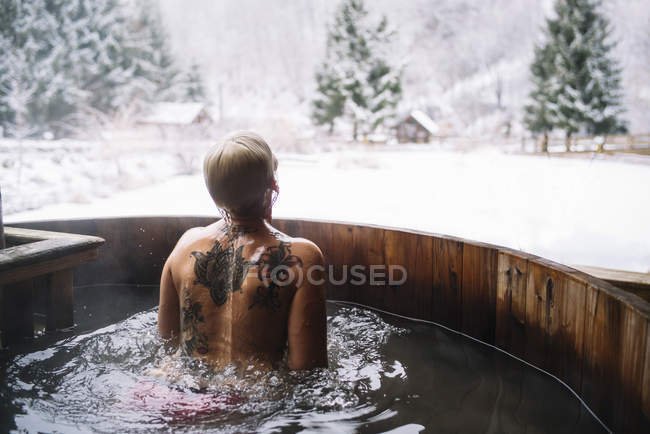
(575, 211)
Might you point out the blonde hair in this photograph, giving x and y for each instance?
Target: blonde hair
(239, 172)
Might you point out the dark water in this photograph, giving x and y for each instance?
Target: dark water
(386, 373)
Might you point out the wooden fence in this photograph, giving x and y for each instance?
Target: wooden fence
(608, 143)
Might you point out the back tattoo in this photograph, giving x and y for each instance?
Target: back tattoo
(193, 339)
(273, 273)
(223, 269)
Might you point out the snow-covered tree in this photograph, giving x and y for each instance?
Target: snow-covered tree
(584, 91)
(94, 34)
(329, 104)
(155, 72)
(357, 81)
(194, 87)
(538, 117)
(63, 58)
(33, 90)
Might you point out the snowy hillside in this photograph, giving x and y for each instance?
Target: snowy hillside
(467, 59)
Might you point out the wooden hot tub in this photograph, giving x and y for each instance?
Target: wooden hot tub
(583, 330)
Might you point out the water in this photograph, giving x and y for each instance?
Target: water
(384, 373)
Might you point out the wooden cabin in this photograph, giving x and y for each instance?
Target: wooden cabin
(417, 127)
(169, 118)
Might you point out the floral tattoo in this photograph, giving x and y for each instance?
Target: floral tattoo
(193, 339)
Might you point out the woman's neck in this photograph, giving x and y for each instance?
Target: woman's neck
(247, 221)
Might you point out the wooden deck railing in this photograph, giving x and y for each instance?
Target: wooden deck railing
(45, 257)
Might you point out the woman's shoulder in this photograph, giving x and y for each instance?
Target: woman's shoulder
(306, 249)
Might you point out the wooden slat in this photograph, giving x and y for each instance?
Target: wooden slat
(601, 353)
(2, 232)
(447, 281)
(542, 285)
(511, 303)
(645, 378)
(422, 281)
(414, 297)
(634, 330)
(28, 271)
(340, 254)
(17, 312)
(566, 324)
(368, 245)
(636, 283)
(478, 292)
(60, 302)
(41, 246)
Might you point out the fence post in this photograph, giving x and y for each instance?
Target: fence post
(629, 143)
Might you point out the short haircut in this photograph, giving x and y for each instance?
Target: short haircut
(239, 171)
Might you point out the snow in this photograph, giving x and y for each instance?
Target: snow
(574, 211)
(425, 121)
(172, 113)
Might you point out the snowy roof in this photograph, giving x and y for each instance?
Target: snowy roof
(423, 119)
(179, 113)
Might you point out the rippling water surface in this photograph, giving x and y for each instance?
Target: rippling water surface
(384, 373)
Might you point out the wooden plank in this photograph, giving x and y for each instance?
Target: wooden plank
(601, 354)
(478, 292)
(634, 330)
(340, 256)
(29, 271)
(290, 227)
(2, 303)
(543, 283)
(414, 297)
(17, 312)
(645, 379)
(60, 302)
(51, 246)
(423, 280)
(512, 280)
(637, 283)
(321, 234)
(2, 232)
(368, 246)
(566, 322)
(447, 281)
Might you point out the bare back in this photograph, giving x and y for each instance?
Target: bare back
(234, 292)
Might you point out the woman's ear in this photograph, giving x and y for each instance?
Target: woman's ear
(272, 195)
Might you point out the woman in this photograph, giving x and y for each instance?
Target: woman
(240, 290)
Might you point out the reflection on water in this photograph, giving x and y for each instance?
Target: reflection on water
(384, 373)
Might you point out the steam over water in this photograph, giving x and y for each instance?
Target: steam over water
(384, 373)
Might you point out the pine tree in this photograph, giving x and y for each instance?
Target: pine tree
(64, 57)
(538, 117)
(584, 92)
(154, 72)
(357, 81)
(33, 89)
(384, 80)
(93, 32)
(194, 88)
(329, 104)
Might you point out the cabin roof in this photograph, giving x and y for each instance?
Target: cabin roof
(425, 121)
(176, 113)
